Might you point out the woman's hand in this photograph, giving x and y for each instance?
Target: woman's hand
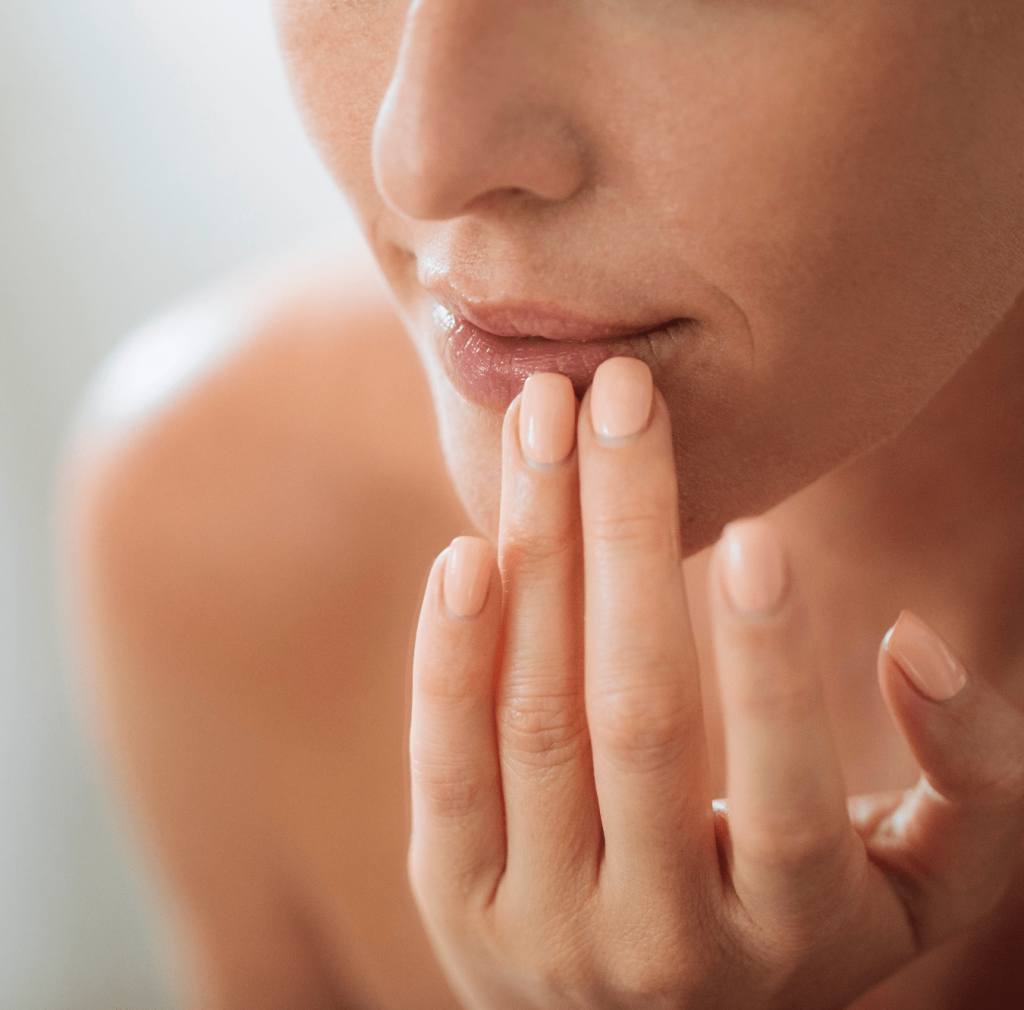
(565, 848)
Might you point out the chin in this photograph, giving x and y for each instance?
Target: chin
(729, 465)
(471, 442)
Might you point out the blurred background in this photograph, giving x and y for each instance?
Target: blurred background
(146, 147)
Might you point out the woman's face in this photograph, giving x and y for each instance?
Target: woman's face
(803, 214)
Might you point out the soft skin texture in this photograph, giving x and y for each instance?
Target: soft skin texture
(249, 557)
(563, 849)
(831, 191)
(828, 196)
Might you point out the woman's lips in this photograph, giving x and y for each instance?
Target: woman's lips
(490, 370)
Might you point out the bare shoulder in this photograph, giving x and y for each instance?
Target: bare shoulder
(252, 446)
(254, 496)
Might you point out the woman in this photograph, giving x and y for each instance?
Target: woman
(778, 249)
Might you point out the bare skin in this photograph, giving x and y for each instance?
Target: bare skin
(251, 562)
(806, 219)
(221, 541)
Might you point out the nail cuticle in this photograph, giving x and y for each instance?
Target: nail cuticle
(619, 441)
(546, 467)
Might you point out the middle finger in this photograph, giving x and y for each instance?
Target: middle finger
(643, 684)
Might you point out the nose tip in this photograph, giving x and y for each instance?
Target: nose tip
(430, 167)
(461, 124)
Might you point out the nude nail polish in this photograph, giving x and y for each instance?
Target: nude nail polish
(547, 419)
(621, 398)
(467, 576)
(926, 660)
(753, 567)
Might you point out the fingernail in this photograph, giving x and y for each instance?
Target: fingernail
(547, 419)
(467, 576)
(753, 567)
(621, 398)
(926, 660)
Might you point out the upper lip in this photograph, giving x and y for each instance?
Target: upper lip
(508, 318)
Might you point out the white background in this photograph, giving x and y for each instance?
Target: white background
(146, 146)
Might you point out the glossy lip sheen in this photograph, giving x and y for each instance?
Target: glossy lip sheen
(490, 370)
(516, 319)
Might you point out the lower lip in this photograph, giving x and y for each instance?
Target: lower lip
(490, 370)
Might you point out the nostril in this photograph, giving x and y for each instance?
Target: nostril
(460, 125)
(436, 170)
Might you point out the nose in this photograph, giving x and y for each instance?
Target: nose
(474, 112)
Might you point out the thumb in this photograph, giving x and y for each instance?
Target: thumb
(951, 844)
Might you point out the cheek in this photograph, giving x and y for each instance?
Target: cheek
(859, 203)
(339, 58)
(864, 210)
(853, 185)
(885, 216)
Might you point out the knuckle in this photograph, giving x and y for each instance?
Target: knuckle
(649, 531)
(542, 730)
(449, 789)
(641, 726)
(451, 686)
(648, 982)
(531, 555)
(777, 954)
(792, 842)
(555, 950)
(669, 954)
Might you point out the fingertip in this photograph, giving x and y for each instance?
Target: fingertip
(928, 705)
(923, 658)
(960, 827)
(547, 420)
(621, 400)
(753, 569)
(468, 564)
(965, 739)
